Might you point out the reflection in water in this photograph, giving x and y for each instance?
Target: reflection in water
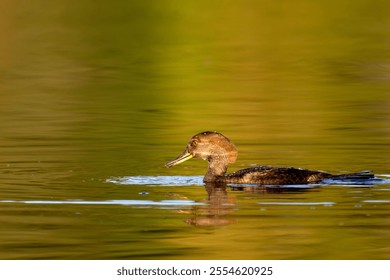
(216, 211)
(273, 188)
(221, 204)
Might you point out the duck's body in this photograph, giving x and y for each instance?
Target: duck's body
(219, 152)
(267, 175)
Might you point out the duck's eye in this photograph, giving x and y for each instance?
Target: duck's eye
(194, 143)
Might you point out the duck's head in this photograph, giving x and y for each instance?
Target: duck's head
(209, 145)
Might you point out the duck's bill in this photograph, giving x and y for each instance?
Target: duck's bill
(183, 157)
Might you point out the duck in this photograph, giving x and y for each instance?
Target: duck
(219, 152)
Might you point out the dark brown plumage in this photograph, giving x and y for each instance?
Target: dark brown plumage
(219, 152)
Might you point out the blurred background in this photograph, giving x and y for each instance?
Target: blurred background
(91, 90)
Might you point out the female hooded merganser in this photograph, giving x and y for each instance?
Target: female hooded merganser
(219, 152)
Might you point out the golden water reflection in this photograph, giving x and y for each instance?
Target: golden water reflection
(91, 91)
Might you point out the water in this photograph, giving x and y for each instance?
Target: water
(95, 99)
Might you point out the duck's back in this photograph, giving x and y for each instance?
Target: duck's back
(267, 175)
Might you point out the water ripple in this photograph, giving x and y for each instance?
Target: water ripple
(352, 182)
(165, 203)
(325, 203)
(198, 181)
(158, 180)
(377, 201)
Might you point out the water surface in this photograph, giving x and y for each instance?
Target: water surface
(95, 98)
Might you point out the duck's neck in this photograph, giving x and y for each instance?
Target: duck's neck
(217, 168)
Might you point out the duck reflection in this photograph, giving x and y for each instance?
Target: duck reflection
(221, 203)
(216, 211)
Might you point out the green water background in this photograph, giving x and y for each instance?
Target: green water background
(91, 90)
